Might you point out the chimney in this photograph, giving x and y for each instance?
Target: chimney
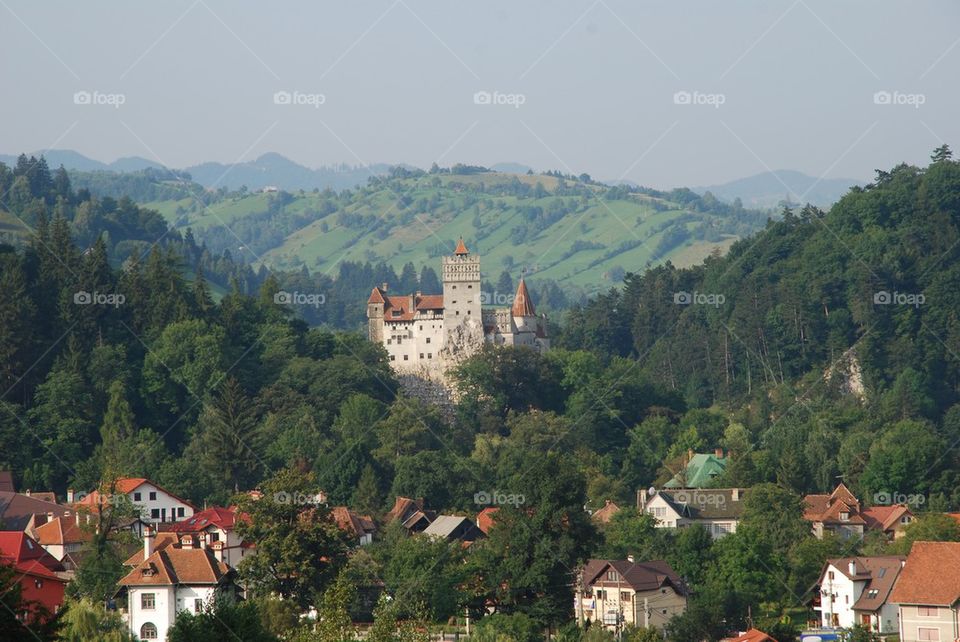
(383, 286)
(630, 557)
(186, 542)
(642, 499)
(201, 540)
(689, 455)
(27, 492)
(70, 495)
(77, 514)
(718, 453)
(852, 567)
(148, 536)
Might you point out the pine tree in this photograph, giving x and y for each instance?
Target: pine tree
(116, 433)
(367, 498)
(230, 438)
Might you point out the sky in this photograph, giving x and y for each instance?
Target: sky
(665, 93)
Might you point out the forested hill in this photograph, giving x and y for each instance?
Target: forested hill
(870, 290)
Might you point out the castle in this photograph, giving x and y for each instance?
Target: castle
(427, 334)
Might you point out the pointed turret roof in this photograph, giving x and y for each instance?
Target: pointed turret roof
(376, 296)
(522, 303)
(461, 248)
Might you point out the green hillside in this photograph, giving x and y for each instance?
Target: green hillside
(574, 232)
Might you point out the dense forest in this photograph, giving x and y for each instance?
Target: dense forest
(821, 361)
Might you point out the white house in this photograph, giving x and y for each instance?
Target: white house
(156, 504)
(856, 590)
(169, 581)
(716, 509)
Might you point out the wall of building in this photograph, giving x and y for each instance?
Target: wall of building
(169, 508)
(944, 622)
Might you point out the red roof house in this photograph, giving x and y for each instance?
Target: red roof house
(37, 572)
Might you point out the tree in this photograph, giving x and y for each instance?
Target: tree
(631, 532)
(86, 621)
(928, 527)
(941, 154)
(221, 620)
(299, 547)
(230, 441)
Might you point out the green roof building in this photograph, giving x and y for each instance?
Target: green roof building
(700, 471)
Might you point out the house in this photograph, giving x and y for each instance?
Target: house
(605, 514)
(169, 581)
(856, 590)
(360, 526)
(753, 635)
(928, 592)
(454, 527)
(892, 520)
(411, 514)
(37, 571)
(156, 504)
(21, 512)
(615, 593)
(699, 470)
(216, 527)
(716, 509)
(838, 513)
(62, 536)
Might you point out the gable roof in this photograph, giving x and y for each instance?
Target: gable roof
(60, 531)
(16, 509)
(522, 303)
(486, 518)
(640, 576)
(718, 503)
(827, 508)
(172, 566)
(884, 518)
(27, 556)
(605, 514)
(410, 513)
(454, 527)
(931, 575)
(699, 471)
(125, 486)
(880, 573)
(351, 522)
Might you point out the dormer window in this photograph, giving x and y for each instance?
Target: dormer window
(844, 516)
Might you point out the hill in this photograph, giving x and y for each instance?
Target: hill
(770, 189)
(584, 236)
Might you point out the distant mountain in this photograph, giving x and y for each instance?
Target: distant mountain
(269, 170)
(768, 189)
(275, 170)
(77, 161)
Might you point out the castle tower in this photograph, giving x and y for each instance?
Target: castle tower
(375, 308)
(461, 286)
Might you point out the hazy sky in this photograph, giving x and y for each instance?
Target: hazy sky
(769, 84)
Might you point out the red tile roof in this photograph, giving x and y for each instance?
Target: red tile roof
(606, 513)
(931, 576)
(376, 296)
(461, 248)
(827, 508)
(62, 530)
(160, 542)
(223, 518)
(753, 635)
(177, 566)
(350, 521)
(884, 518)
(27, 556)
(486, 519)
(522, 303)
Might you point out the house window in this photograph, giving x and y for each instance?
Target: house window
(928, 635)
(830, 574)
(613, 576)
(153, 496)
(882, 572)
(154, 513)
(214, 537)
(927, 611)
(148, 601)
(872, 593)
(136, 497)
(197, 605)
(180, 512)
(624, 596)
(601, 594)
(844, 516)
(148, 631)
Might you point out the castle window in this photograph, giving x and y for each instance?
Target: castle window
(454, 287)
(421, 328)
(421, 355)
(393, 357)
(468, 311)
(428, 339)
(406, 357)
(458, 311)
(429, 355)
(389, 341)
(469, 287)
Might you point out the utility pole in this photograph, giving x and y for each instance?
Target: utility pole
(646, 613)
